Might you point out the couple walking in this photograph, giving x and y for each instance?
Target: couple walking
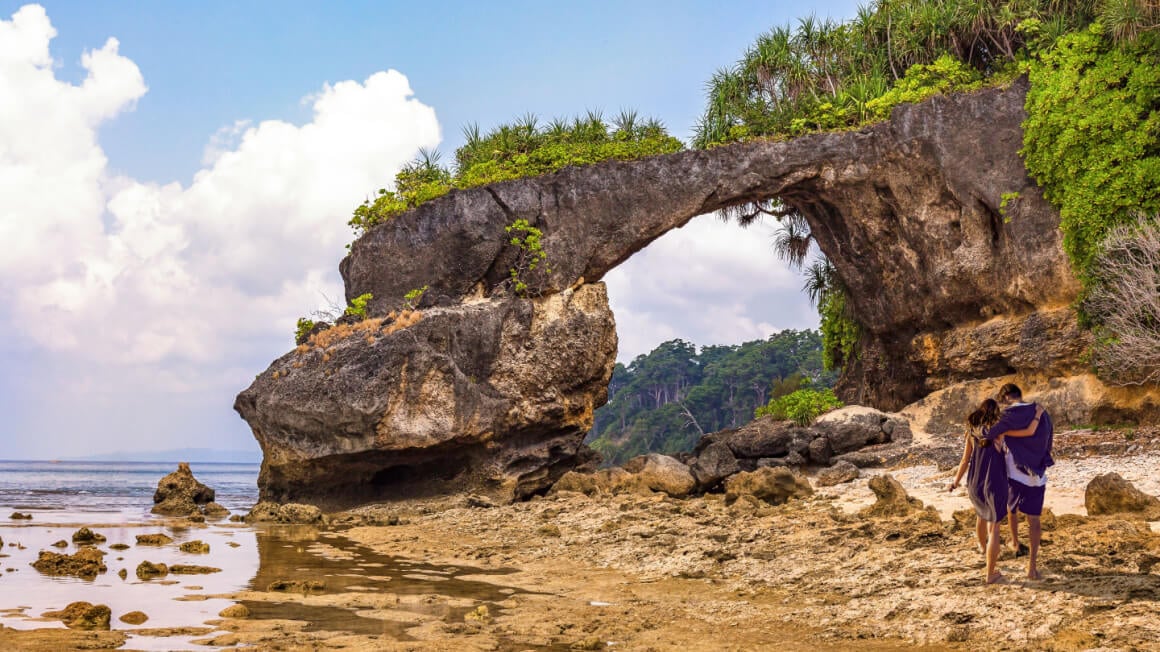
(1007, 452)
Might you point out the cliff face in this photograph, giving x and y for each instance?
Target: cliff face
(494, 393)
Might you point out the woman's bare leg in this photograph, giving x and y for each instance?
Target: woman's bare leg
(981, 533)
(993, 545)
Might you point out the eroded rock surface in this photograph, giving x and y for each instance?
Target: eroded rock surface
(180, 494)
(1110, 493)
(492, 396)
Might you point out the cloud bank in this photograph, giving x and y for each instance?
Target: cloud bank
(128, 288)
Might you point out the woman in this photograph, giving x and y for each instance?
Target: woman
(986, 480)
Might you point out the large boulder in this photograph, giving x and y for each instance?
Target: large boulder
(839, 473)
(180, 494)
(714, 463)
(854, 426)
(765, 437)
(662, 473)
(1110, 493)
(491, 397)
(891, 498)
(774, 485)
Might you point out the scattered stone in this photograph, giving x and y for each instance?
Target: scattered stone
(123, 573)
(19, 516)
(60, 544)
(83, 615)
(195, 547)
(235, 611)
(147, 570)
(475, 500)
(179, 493)
(134, 618)
(85, 535)
(188, 569)
(837, 474)
(214, 510)
(1112, 494)
(772, 485)
(291, 513)
(154, 539)
(196, 518)
(87, 563)
(237, 518)
(296, 586)
(119, 546)
(892, 498)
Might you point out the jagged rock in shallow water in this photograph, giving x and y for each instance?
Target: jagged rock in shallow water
(492, 397)
(87, 563)
(83, 615)
(180, 494)
(1110, 493)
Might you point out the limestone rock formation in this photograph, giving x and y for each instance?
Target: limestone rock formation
(662, 473)
(839, 473)
(492, 396)
(180, 494)
(86, 563)
(83, 615)
(891, 498)
(772, 485)
(1110, 493)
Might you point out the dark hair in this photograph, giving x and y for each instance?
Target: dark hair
(1010, 390)
(986, 415)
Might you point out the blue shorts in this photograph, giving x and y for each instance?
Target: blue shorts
(1022, 498)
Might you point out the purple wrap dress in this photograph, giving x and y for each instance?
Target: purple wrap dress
(987, 478)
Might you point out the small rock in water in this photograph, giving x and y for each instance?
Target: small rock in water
(85, 535)
(195, 547)
(87, 563)
(233, 544)
(147, 570)
(19, 516)
(134, 618)
(235, 611)
(214, 510)
(123, 573)
(188, 569)
(119, 546)
(83, 615)
(298, 586)
(60, 544)
(154, 540)
(237, 518)
(196, 518)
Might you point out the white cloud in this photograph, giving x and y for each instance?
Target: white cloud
(709, 282)
(147, 285)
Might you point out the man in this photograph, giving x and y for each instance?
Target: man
(1028, 457)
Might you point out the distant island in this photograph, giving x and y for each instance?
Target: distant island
(177, 455)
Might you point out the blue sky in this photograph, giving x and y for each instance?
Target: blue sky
(149, 276)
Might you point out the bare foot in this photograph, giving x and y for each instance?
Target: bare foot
(997, 578)
(1034, 574)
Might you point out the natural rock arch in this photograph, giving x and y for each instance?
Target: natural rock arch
(494, 393)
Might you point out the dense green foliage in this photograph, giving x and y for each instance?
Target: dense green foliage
(665, 400)
(304, 326)
(802, 406)
(523, 148)
(1092, 135)
(825, 74)
(840, 333)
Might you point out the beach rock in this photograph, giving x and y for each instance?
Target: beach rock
(147, 570)
(296, 586)
(119, 546)
(764, 437)
(20, 516)
(481, 502)
(584, 483)
(180, 494)
(83, 615)
(291, 513)
(196, 518)
(154, 539)
(87, 536)
(134, 618)
(1109, 493)
(194, 547)
(772, 485)
(59, 544)
(123, 574)
(235, 611)
(662, 473)
(892, 499)
(837, 474)
(492, 397)
(714, 463)
(189, 569)
(86, 563)
(820, 451)
(854, 427)
(214, 510)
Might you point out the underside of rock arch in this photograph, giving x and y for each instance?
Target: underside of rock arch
(492, 392)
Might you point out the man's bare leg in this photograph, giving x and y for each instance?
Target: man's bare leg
(1033, 535)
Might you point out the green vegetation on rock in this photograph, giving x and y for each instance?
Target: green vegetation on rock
(358, 306)
(802, 406)
(666, 400)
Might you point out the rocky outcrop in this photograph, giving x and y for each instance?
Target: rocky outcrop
(772, 485)
(1110, 493)
(491, 396)
(86, 563)
(180, 494)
